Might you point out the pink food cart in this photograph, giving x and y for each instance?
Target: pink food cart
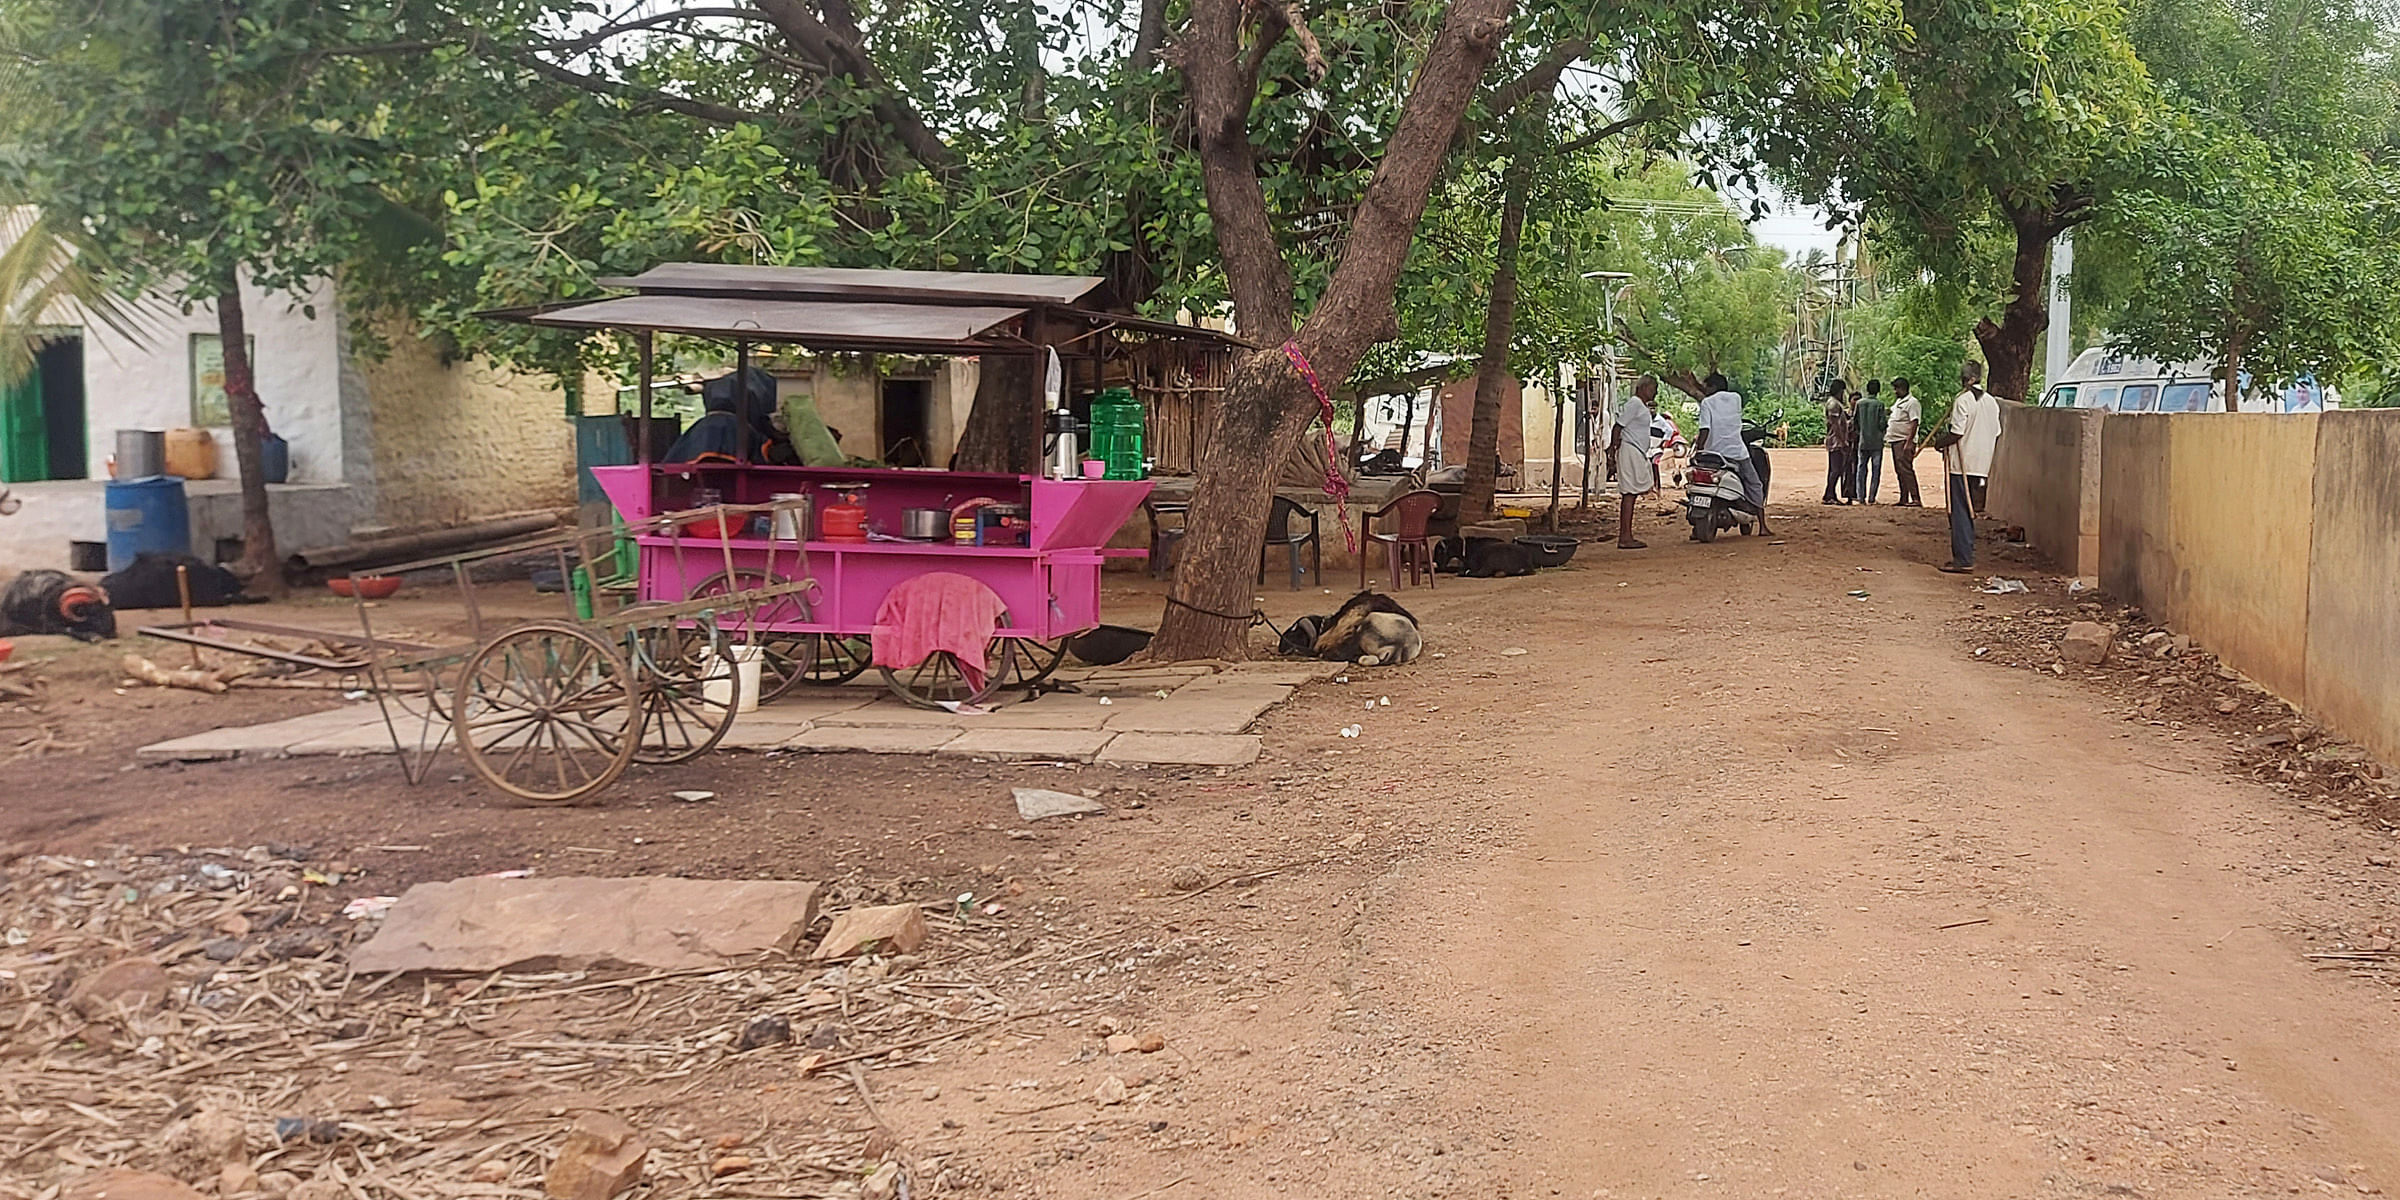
(1050, 586)
(1045, 571)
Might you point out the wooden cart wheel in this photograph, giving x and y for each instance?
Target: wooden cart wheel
(940, 681)
(689, 690)
(547, 712)
(1008, 664)
(828, 659)
(1025, 662)
(791, 658)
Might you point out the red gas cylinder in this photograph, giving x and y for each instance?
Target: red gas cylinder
(846, 520)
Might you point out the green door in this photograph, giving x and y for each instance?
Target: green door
(24, 436)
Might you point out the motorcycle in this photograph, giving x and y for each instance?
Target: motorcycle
(1713, 499)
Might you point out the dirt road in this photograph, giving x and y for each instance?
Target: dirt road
(1730, 884)
(1784, 893)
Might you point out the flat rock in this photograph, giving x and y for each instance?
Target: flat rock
(489, 924)
(121, 1184)
(137, 984)
(1181, 750)
(1035, 804)
(1042, 745)
(2086, 642)
(828, 739)
(600, 1158)
(884, 929)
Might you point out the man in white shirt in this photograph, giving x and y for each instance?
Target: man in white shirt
(1967, 449)
(1630, 446)
(1907, 415)
(1721, 432)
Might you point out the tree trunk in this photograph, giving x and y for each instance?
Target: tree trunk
(1004, 425)
(2011, 346)
(260, 562)
(1499, 327)
(1266, 404)
(2237, 344)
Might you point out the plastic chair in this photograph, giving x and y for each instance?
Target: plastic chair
(1409, 541)
(1163, 537)
(1279, 533)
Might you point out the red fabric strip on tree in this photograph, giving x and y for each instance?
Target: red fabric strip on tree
(1336, 484)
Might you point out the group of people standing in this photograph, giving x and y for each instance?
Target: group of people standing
(1858, 428)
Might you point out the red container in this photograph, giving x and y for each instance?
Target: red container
(371, 587)
(844, 520)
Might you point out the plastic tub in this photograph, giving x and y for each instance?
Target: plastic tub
(1549, 549)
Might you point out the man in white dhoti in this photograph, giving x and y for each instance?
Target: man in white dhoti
(1629, 445)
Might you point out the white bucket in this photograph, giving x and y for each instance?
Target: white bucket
(748, 663)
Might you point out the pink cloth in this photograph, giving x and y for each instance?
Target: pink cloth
(938, 611)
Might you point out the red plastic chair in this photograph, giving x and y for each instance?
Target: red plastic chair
(1407, 542)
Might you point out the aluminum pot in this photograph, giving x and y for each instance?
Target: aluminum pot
(925, 524)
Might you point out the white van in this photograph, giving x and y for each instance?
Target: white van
(2104, 378)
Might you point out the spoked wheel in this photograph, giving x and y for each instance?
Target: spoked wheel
(789, 658)
(1025, 662)
(940, 681)
(822, 659)
(690, 690)
(547, 712)
(1009, 664)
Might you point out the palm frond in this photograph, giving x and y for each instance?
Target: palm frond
(51, 276)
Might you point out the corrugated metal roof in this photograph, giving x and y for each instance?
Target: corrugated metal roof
(838, 325)
(811, 283)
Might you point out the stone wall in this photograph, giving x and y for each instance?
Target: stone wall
(2275, 541)
(454, 441)
(2046, 477)
(2354, 579)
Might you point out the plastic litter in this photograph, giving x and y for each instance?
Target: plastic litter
(1858, 593)
(1998, 586)
(693, 797)
(1514, 651)
(366, 907)
(1351, 731)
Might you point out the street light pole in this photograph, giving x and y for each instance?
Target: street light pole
(1605, 393)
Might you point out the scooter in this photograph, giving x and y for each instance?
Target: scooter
(1713, 499)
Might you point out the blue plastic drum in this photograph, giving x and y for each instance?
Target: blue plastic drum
(147, 515)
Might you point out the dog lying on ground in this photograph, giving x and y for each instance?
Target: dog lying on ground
(1369, 629)
(149, 582)
(53, 602)
(1481, 558)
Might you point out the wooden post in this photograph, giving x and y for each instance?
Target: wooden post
(183, 592)
(741, 402)
(644, 363)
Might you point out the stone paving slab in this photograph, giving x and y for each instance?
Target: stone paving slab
(1180, 749)
(805, 703)
(370, 738)
(1221, 689)
(895, 715)
(1192, 714)
(1069, 745)
(1285, 671)
(871, 740)
(1056, 710)
(268, 740)
(761, 730)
